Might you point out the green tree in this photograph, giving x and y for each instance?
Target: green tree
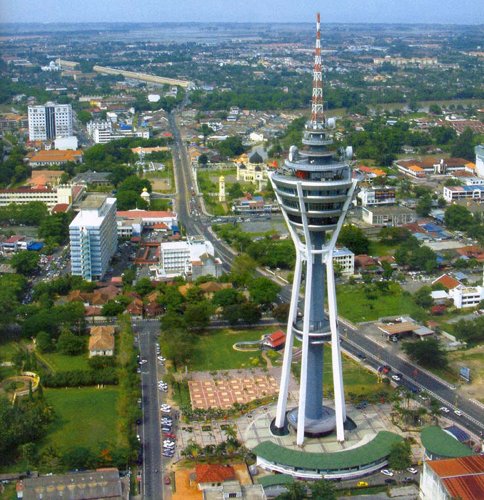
(263, 291)
(400, 455)
(55, 228)
(70, 344)
(323, 490)
(423, 298)
(235, 191)
(428, 353)
(43, 342)
(424, 205)
(249, 313)
(203, 160)
(143, 286)
(353, 238)
(84, 116)
(197, 315)
(295, 491)
(25, 262)
(463, 146)
(112, 308)
(231, 313)
(230, 147)
(281, 312)
(227, 297)
(458, 217)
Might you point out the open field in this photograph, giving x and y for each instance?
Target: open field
(84, 417)
(355, 305)
(473, 359)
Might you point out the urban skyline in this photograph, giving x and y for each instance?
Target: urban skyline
(351, 11)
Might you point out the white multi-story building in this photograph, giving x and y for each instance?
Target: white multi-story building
(93, 237)
(181, 257)
(479, 150)
(345, 259)
(62, 194)
(472, 192)
(377, 196)
(50, 121)
(102, 132)
(466, 296)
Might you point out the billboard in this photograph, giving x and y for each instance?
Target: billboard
(465, 373)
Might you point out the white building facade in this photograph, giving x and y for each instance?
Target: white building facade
(62, 194)
(93, 237)
(50, 121)
(345, 259)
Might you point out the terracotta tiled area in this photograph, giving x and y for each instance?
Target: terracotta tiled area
(223, 392)
(185, 491)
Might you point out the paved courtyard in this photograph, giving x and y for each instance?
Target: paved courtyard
(228, 387)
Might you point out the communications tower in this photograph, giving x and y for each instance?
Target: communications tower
(314, 189)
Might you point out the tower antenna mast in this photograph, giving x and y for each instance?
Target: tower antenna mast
(317, 109)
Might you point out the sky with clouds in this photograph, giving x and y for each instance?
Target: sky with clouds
(352, 11)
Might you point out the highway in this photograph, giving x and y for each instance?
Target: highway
(152, 470)
(353, 341)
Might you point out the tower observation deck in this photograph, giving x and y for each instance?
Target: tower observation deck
(314, 189)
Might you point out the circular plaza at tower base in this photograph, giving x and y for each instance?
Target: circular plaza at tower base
(348, 464)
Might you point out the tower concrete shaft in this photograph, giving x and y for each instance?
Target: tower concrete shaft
(314, 188)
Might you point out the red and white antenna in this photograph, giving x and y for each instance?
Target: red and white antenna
(317, 111)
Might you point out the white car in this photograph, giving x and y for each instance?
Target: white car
(387, 472)
(458, 413)
(412, 470)
(444, 409)
(161, 359)
(396, 378)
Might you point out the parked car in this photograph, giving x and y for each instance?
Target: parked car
(412, 470)
(361, 484)
(387, 472)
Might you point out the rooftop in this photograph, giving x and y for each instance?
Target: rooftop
(93, 202)
(462, 477)
(214, 473)
(440, 443)
(377, 449)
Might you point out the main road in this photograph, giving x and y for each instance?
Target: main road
(472, 414)
(147, 332)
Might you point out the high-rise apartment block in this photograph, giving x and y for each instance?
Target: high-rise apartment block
(93, 237)
(50, 121)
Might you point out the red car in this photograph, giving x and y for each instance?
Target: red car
(167, 480)
(169, 434)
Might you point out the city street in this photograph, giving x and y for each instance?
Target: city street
(152, 479)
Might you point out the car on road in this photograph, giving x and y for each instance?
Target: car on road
(161, 359)
(444, 409)
(143, 361)
(412, 470)
(361, 484)
(397, 378)
(387, 472)
(458, 413)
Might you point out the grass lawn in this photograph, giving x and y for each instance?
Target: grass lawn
(357, 379)
(214, 349)
(377, 249)
(354, 304)
(84, 417)
(62, 363)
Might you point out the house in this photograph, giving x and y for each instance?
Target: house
(233, 489)
(101, 341)
(275, 340)
(210, 475)
(211, 287)
(447, 281)
(135, 308)
(44, 158)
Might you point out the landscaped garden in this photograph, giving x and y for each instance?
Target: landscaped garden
(214, 350)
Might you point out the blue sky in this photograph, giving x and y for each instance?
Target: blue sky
(354, 11)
